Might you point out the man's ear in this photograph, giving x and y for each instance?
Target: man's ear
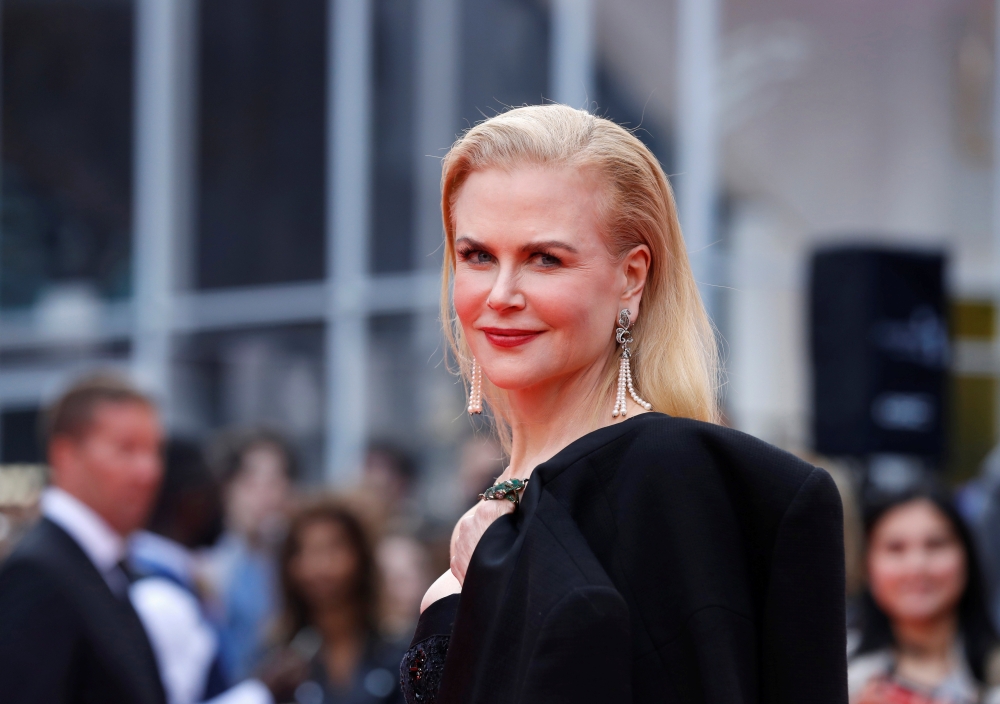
(61, 456)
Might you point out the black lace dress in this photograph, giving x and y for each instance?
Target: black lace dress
(422, 665)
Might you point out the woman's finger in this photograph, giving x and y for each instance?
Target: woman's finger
(470, 529)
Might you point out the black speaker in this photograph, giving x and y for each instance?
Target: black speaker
(879, 337)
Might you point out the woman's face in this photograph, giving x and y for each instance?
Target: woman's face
(536, 289)
(325, 568)
(257, 496)
(916, 563)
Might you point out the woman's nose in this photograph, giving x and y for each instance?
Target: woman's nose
(505, 293)
(917, 561)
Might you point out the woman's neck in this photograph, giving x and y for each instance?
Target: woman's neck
(343, 641)
(547, 418)
(338, 622)
(925, 648)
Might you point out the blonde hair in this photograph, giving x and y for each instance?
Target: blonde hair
(676, 364)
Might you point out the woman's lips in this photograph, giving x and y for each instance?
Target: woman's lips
(509, 337)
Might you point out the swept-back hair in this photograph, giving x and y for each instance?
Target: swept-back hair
(676, 363)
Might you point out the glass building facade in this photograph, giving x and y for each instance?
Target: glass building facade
(187, 197)
(237, 201)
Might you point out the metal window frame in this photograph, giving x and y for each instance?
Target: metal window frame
(164, 157)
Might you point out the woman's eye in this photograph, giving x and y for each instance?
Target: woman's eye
(938, 543)
(547, 259)
(476, 256)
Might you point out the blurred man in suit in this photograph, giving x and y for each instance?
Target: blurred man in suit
(68, 632)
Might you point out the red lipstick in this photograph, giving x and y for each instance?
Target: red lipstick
(509, 337)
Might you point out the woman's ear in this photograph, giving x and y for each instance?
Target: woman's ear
(635, 267)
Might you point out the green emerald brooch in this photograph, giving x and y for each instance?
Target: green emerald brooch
(509, 490)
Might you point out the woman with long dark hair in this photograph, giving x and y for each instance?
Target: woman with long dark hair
(926, 635)
(328, 579)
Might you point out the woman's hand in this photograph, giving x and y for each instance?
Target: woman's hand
(470, 529)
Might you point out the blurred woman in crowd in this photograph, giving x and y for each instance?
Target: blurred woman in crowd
(256, 470)
(328, 577)
(926, 636)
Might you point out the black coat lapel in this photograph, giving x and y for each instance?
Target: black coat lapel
(481, 604)
(112, 624)
(524, 564)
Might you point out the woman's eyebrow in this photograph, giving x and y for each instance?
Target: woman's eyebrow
(465, 239)
(548, 244)
(528, 248)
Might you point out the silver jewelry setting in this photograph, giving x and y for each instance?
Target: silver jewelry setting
(623, 334)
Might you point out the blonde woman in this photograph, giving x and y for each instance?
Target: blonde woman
(633, 550)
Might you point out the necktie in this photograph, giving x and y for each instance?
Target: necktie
(118, 578)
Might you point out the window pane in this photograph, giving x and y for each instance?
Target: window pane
(505, 56)
(392, 143)
(262, 108)
(393, 378)
(413, 401)
(67, 148)
(270, 378)
(615, 101)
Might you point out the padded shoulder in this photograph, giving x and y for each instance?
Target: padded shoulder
(26, 586)
(665, 454)
(43, 553)
(692, 439)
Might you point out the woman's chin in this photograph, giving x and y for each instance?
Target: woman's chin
(514, 377)
(532, 375)
(510, 384)
(922, 613)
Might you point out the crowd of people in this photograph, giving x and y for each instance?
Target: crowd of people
(230, 577)
(239, 586)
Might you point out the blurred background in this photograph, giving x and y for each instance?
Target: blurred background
(236, 202)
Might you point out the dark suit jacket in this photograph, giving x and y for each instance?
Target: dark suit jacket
(658, 560)
(64, 636)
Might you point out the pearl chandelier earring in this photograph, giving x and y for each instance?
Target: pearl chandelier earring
(624, 336)
(476, 389)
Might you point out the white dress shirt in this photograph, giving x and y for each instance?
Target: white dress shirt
(96, 538)
(185, 643)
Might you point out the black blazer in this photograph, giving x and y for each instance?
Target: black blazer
(64, 635)
(658, 560)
